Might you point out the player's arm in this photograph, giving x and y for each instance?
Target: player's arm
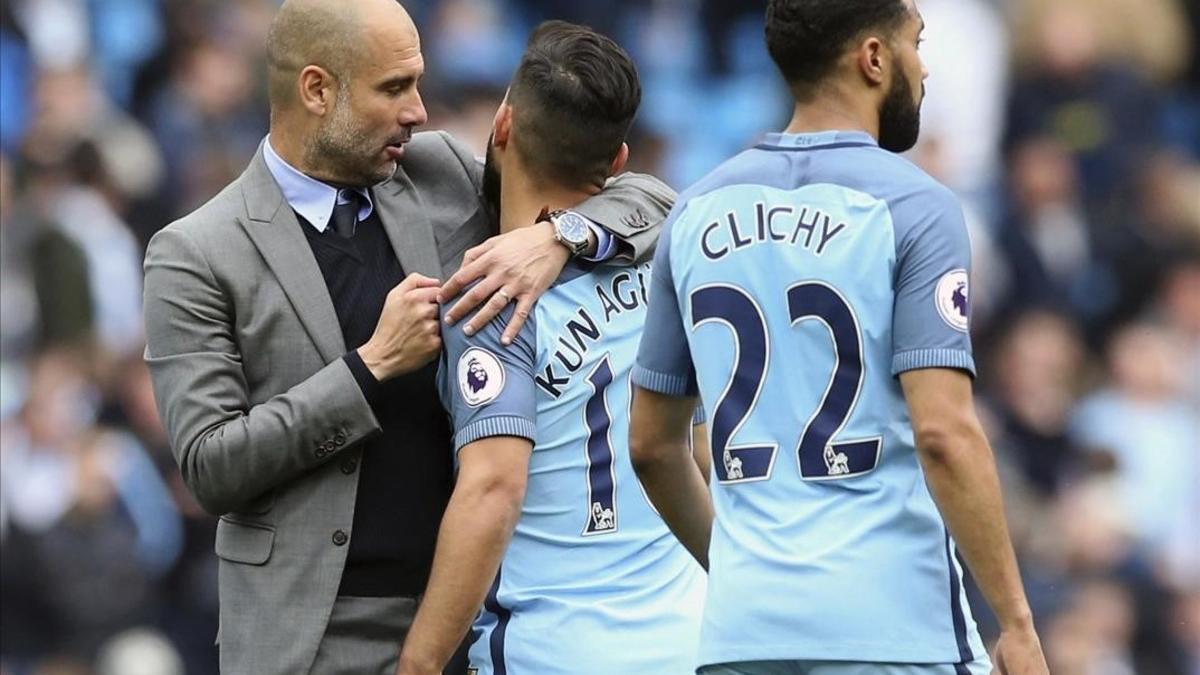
(932, 357)
(961, 474)
(488, 390)
(661, 448)
(661, 440)
(474, 534)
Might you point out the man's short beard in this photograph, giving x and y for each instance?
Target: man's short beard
(491, 180)
(899, 117)
(343, 152)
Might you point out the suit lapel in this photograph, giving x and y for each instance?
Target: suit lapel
(404, 218)
(275, 231)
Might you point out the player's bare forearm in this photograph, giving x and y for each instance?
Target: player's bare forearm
(680, 493)
(961, 474)
(661, 449)
(474, 534)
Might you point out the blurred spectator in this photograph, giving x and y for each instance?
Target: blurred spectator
(1179, 310)
(1069, 89)
(207, 122)
(1036, 375)
(1187, 627)
(88, 212)
(1047, 240)
(1094, 636)
(98, 522)
(1144, 422)
(18, 300)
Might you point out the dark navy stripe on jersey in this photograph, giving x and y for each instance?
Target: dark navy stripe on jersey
(503, 615)
(792, 148)
(956, 613)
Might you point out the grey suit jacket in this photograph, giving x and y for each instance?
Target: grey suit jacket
(244, 348)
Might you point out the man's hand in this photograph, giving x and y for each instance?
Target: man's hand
(408, 335)
(1018, 652)
(519, 266)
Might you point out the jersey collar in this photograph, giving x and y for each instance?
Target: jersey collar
(813, 141)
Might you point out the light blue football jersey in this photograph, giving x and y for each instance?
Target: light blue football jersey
(593, 581)
(791, 287)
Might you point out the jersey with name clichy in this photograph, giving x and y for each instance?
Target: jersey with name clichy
(593, 581)
(792, 287)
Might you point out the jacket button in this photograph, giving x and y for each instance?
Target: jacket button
(349, 466)
(340, 538)
(320, 451)
(339, 440)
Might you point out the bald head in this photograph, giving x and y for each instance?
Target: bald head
(325, 33)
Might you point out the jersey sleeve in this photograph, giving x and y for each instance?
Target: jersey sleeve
(664, 362)
(931, 319)
(488, 388)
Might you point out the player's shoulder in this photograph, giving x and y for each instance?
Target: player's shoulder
(917, 201)
(902, 179)
(456, 341)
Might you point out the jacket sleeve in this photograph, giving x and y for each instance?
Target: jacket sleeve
(231, 452)
(632, 206)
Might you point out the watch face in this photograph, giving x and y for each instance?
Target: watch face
(572, 227)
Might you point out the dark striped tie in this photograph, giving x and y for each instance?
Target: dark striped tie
(345, 212)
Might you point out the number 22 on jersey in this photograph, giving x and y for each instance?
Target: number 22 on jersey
(820, 457)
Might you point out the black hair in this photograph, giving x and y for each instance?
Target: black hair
(574, 97)
(806, 37)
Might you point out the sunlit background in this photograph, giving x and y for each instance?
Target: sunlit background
(1070, 129)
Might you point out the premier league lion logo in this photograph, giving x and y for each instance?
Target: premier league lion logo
(959, 298)
(953, 299)
(480, 376)
(477, 377)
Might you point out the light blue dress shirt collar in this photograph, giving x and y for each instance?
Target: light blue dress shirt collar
(307, 196)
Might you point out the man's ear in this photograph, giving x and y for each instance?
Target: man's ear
(872, 59)
(502, 125)
(618, 162)
(317, 89)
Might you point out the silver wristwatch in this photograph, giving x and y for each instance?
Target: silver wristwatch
(570, 230)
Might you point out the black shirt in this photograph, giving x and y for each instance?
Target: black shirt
(407, 470)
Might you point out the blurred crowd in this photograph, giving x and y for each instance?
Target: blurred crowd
(1070, 128)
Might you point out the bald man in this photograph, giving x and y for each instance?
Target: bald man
(291, 328)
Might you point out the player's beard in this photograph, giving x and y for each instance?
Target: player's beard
(346, 151)
(491, 179)
(900, 117)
